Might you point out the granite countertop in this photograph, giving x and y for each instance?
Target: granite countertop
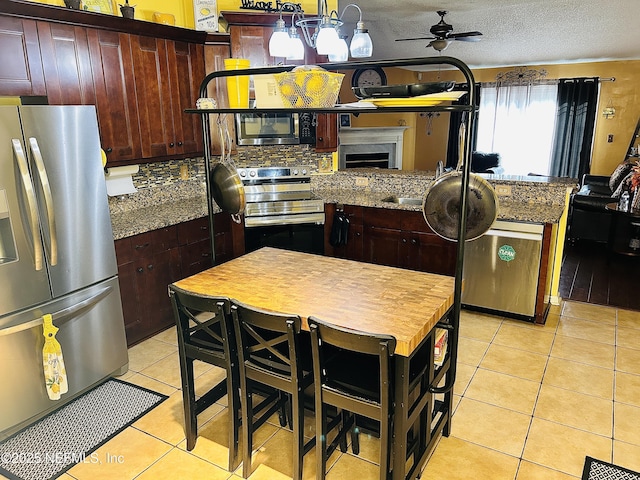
(534, 199)
(147, 218)
(534, 212)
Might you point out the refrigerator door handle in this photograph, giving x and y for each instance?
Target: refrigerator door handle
(61, 315)
(48, 199)
(21, 160)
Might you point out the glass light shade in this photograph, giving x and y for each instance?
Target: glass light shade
(279, 41)
(341, 51)
(326, 40)
(361, 44)
(296, 47)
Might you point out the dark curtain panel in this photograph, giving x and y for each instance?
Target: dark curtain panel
(455, 119)
(575, 121)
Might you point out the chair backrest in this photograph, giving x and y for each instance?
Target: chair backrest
(328, 340)
(268, 342)
(203, 321)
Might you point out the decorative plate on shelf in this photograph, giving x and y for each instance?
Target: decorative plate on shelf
(429, 100)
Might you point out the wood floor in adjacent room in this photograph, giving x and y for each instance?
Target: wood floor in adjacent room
(589, 275)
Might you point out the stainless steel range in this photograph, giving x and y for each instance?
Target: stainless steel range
(281, 211)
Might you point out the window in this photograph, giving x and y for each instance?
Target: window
(518, 122)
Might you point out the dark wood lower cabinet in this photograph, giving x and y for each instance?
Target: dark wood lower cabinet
(398, 238)
(149, 262)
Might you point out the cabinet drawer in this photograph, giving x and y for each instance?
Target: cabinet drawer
(148, 243)
(196, 252)
(354, 214)
(193, 231)
(383, 218)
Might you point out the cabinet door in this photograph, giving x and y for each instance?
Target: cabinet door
(430, 253)
(186, 71)
(252, 42)
(385, 246)
(66, 64)
(153, 95)
(154, 274)
(327, 132)
(21, 72)
(113, 75)
(129, 295)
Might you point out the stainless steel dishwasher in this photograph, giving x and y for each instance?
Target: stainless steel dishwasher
(501, 268)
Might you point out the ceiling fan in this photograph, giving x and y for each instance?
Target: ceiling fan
(443, 35)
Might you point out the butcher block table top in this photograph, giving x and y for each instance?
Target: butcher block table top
(362, 296)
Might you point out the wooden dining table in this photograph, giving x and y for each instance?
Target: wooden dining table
(374, 298)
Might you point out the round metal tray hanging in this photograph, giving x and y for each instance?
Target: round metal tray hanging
(441, 206)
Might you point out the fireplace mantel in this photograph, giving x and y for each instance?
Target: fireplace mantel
(351, 139)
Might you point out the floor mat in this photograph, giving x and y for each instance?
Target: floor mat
(68, 435)
(598, 470)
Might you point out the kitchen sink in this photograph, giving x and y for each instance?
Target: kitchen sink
(403, 200)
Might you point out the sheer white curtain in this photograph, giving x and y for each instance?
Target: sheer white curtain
(518, 122)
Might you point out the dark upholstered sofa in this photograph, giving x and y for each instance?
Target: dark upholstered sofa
(588, 218)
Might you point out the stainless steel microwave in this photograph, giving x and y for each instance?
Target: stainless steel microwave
(265, 128)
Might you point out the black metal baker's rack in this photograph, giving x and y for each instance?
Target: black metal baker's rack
(469, 106)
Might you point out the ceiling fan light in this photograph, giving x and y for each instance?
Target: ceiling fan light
(279, 41)
(361, 44)
(439, 44)
(340, 52)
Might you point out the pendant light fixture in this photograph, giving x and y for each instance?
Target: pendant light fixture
(320, 33)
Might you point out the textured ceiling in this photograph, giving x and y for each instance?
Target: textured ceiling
(515, 32)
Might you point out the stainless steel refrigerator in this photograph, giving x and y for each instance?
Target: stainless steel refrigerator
(56, 257)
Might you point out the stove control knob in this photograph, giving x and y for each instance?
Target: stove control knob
(242, 173)
(252, 173)
(295, 171)
(304, 171)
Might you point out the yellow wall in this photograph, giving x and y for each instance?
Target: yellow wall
(623, 94)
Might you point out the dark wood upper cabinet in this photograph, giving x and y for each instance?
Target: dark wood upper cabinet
(186, 71)
(21, 71)
(141, 76)
(113, 77)
(153, 95)
(67, 64)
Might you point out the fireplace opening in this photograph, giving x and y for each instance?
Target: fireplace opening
(367, 160)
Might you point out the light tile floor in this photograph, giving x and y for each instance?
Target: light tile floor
(530, 403)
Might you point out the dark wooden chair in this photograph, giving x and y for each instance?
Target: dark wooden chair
(269, 353)
(353, 372)
(205, 333)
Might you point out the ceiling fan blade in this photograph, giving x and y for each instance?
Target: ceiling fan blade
(417, 38)
(465, 36)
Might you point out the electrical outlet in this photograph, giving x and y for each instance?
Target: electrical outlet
(362, 181)
(503, 190)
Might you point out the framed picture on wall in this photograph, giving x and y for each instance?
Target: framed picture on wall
(345, 120)
(100, 6)
(205, 13)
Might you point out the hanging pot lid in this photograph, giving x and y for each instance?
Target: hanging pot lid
(227, 189)
(441, 205)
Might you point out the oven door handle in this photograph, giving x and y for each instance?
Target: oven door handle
(295, 219)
